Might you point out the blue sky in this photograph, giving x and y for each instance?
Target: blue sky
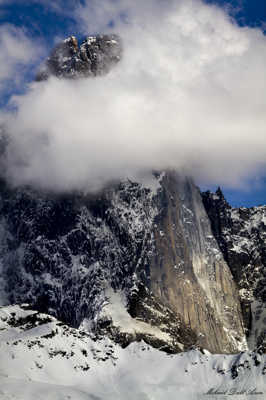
(40, 20)
(245, 12)
(45, 24)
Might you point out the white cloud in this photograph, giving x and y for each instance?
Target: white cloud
(17, 52)
(190, 93)
(65, 7)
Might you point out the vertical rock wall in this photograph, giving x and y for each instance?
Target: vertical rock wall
(188, 271)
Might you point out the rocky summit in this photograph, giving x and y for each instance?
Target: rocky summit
(95, 56)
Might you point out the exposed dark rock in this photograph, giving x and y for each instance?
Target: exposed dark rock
(61, 254)
(241, 235)
(95, 56)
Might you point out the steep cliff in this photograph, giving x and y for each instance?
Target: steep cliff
(188, 271)
(137, 261)
(241, 235)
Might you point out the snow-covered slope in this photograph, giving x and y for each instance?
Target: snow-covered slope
(41, 358)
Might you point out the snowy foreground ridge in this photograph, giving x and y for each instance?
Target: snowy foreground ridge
(43, 359)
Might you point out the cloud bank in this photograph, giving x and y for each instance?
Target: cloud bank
(190, 93)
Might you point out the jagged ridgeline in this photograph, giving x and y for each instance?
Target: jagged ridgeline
(152, 260)
(95, 56)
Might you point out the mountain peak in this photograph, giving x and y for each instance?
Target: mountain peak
(96, 55)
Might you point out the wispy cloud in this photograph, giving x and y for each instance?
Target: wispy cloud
(17, 53)
(190, 93)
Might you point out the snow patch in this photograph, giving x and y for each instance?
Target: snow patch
(117, 312)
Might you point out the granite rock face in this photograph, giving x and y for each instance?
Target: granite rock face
(188, 270)
(241, 235)
(136, 262)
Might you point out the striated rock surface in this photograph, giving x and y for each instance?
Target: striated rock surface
(95, 56)
(188, 270)
(241, 235)
(136, 262)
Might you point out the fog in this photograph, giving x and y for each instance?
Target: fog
(189, 93)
